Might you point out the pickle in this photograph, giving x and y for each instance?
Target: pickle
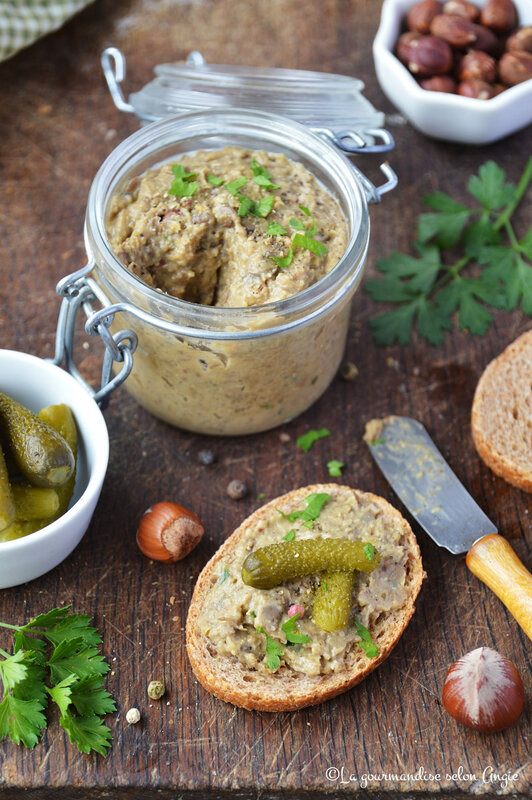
(269, 566)
(20, 528)
(62, 419)
(334, 600)
(7, 505)
(40, 452)
(34, 502)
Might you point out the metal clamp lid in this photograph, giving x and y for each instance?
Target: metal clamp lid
(331, 105)
(316, 99)
(80, 290)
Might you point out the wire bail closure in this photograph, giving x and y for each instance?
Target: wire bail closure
(80, 290)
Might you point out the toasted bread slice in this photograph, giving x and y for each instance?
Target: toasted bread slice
(501, 417)
(371, 518)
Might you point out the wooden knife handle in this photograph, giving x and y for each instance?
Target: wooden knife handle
(495, 562)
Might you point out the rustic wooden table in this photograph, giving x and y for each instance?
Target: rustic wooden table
(58, 124)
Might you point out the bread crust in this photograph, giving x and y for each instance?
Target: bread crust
(500, 395)
(285, 689)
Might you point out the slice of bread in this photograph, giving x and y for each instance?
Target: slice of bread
(371, 518)
(501, 417)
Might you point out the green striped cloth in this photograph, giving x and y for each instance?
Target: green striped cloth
(24, 21)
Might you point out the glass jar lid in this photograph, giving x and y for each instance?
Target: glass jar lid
(332, 104)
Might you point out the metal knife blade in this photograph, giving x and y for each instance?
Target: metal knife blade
(422, 479)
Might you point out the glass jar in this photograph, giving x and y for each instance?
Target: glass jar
(218, 370)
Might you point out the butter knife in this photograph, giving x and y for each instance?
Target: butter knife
(432, 493)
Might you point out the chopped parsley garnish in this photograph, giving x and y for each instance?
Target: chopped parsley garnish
(304, 240)
(183, 184)
(246, 205)
(306, 440)
(262, 177)
(366, 643)
(71, 674)
(291, 631)
(308, 243)
(252, 614)
(264, 206)
(297, 225)
(369, 551)
(323, 586)
(376, 441)
(215, 180)
(290, 536)
(313, 231)
(260, 496)
(274, 229)
(224, 575)
(468, 260)
(274, 651)
(335, 468)
(285, 262)
(234, 186)
(315, 503)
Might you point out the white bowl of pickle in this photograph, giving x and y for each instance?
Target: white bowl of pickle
(47, 497)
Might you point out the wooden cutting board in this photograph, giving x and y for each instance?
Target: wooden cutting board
(389, 735)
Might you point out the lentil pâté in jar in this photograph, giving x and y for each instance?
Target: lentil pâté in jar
(229, 348)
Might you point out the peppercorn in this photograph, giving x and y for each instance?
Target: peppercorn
(349, 371)
(237, 489)
(133, 716)
(156, 689)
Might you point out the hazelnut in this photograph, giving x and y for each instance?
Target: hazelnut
(499, 15)
(426, 55)
(457, 31)
(462, 8)
(439, 83)
(168, 532)
(484, 691)
(521, 40)
(480, 90)
(498, 88)
(477, 65)
(421, 15)
(515, 67)
(404, 45)
(486, 40)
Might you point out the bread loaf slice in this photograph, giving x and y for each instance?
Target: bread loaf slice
(221, 602)
(501, 417)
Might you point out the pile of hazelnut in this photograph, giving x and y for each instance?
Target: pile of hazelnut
(456, 47)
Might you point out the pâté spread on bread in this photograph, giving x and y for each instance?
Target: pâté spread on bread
(230, 228)
(246, 625)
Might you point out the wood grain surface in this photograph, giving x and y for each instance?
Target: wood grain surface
(57, 125)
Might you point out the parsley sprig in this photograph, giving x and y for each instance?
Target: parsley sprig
(183, 184)
(366, 642)
(274, 650)
(303, 239)
(464, 265)
(55, 656)
(291, 631)
(310, 514)
(306, 440)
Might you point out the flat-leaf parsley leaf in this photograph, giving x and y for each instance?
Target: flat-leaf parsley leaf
(430, 291)
(306, 440)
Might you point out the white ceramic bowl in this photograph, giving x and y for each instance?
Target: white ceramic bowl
(36, 383)
(447, 116)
